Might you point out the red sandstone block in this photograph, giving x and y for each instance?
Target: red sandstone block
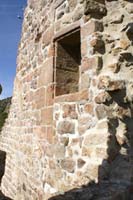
(40, 98)
(84, 81)
(84, 48)
(30, 96)
(46, 73)
(41, 132)
(39, 104)
(41, 93)
(50, 134)
(47, 116)
(50, 95)
(90, 27)
(84, 95)
(89, 108)
(48, 35)
(51, 50)
(73, 97)
(67, 29)
(67, 97)
(91, 63)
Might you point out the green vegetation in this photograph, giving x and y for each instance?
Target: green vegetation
(4, 109)
(0, 88)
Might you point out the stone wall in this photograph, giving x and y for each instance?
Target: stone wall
(57, 143)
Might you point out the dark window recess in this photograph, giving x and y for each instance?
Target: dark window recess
(68, 59)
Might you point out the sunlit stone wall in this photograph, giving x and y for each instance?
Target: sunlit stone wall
(57, 143)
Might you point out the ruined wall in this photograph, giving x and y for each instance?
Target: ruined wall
(56, 143)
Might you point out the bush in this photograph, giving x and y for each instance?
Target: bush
(4, 109)
(0, 89)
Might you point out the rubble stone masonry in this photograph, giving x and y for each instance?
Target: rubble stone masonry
(55, 143)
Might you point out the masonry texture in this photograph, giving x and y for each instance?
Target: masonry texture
(55, 143)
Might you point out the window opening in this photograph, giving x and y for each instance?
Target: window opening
(67, 61)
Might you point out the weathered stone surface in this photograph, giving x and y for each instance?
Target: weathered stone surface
(114, 67)
(106, 83)
(95, 138)
(53, 143)
(90, 27)
(97, 43)
(102, 97)
(70, 111)
(129, 8)
(59, 151)
(66, 127)
(89, 108)
(68, 165)
(121, 134)
(129, 30)
(81, 163)
(101, 111)
(85, 81)
(94, 63)
(94, 7)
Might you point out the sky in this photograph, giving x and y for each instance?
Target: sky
(10, 33)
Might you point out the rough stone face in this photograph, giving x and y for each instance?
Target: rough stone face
(81, 163)
(65, 127)
(110, 85)
(95, 8)
(102, 97)
(70, 111)
(82, 139)
(68, 165)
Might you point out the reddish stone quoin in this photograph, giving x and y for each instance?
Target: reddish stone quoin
(70, 121)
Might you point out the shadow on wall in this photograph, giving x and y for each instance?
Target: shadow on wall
(2, 171)
(115, 175)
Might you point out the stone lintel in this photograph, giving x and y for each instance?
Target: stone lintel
(67, 30)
